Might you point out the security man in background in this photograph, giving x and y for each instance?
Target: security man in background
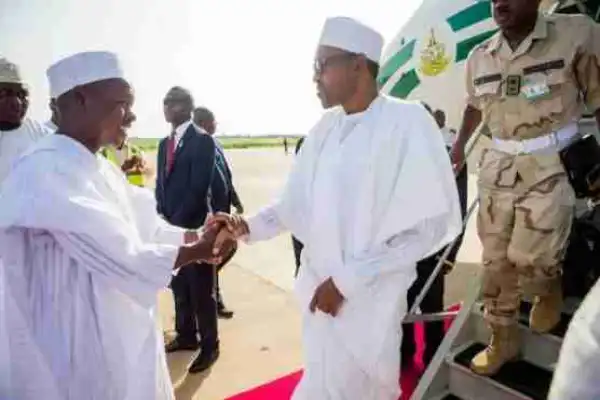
(129, 158)
(223, 194)
(529, 83)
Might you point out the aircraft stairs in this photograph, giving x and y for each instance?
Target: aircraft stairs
(449, 376)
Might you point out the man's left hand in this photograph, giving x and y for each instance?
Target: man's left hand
(327, 298)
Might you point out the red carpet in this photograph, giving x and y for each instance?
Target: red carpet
(282, 388)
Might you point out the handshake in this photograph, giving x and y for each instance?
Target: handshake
(219, 238)
(216, 241)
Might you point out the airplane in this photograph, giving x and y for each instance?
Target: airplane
(425, 60)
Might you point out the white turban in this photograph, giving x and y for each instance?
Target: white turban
(350, 35)
(9, 72)
(82, 69)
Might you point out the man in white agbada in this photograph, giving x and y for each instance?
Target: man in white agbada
(576, 376)
(371, 193)
(83, 254)
(17, 132)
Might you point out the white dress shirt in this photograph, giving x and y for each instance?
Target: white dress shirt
(180, 131)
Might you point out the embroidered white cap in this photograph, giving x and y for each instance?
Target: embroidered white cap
(9, 72)
(82, 69)
(353, 36)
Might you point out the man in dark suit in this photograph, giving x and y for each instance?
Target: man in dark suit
(186, 160)
(298, 246)
(223, 193)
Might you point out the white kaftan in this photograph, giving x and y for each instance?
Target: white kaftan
(577, 374)
(370, 195)
(14, 143)
(51, 126)
(81, 261)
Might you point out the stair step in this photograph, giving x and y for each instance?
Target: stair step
(518, 380)
(559, 331)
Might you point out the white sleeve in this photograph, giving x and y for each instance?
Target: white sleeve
(137, 269)
(152, 227)
(397, 254)
(166, 233)
(265, 225)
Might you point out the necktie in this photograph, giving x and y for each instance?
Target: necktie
(170, 152)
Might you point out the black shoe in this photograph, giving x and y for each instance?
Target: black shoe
(204, 361)
(224, 312)
(179, 345)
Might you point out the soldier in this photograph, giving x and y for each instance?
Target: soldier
(529, 83)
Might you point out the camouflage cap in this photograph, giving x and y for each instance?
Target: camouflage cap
(9, 72)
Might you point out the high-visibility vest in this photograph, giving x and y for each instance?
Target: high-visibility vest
(110, 153)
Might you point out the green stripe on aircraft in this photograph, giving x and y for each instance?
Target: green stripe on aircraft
(470, 16)
(409, 81)
(396, 62)
(464, 47)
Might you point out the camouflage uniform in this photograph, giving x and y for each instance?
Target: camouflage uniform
(526, 202)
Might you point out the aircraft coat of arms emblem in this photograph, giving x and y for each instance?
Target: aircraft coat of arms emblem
(434, 59)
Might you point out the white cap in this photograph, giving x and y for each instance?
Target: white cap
(9, 72)
(82, 69)
(350, 35)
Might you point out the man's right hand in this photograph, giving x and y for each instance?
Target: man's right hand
(457, 155)
(470, 121)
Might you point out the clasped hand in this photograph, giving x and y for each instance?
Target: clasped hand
(231, 228)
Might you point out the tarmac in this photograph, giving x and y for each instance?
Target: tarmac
(262, 342)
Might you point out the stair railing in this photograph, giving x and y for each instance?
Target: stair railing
(412, 315)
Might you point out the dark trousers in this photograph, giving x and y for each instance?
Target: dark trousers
(433, 302)
(195, 306)
(219, 296)
(297, 250)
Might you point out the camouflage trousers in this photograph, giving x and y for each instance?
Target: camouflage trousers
(524, 232)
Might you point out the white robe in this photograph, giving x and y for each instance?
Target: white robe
(51, 126)
(577, 374)
(370, 195)
(82, 256)
(14, 143)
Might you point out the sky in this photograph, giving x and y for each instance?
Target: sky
(248, 61)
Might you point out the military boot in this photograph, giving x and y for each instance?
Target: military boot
(503, 347)
(547, 309)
